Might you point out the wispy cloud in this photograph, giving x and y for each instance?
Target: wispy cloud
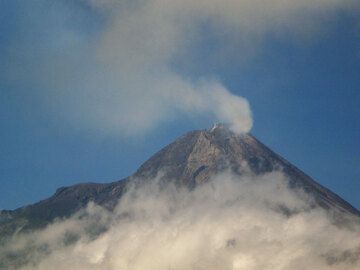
(109, 65)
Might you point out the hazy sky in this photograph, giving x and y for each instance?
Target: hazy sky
(90, 89)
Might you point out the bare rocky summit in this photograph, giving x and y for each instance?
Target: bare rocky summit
(189, 161)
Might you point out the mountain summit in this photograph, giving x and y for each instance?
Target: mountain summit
(191, 160)
(198, 155)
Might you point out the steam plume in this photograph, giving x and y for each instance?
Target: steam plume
(115, 68)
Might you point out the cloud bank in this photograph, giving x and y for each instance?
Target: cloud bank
(113, 65)
(232, 222)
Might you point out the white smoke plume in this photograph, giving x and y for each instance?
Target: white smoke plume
(232, 222)
(122, 77)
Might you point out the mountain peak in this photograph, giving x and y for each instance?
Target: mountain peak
(221, 129)
(219, 126)
(191, 160)
(197, 155)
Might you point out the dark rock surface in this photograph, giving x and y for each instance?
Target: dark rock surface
(190, 160)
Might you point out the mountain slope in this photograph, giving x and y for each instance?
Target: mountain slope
(190, 160)
(198, 155)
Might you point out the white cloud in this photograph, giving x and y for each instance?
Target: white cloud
(121, 78)
(230, 223)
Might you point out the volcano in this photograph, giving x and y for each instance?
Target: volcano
(191, 160)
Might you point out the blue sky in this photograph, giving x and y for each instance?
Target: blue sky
(67, 117)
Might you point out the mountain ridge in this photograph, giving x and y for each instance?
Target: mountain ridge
(190, 160)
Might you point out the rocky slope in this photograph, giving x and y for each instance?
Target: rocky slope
(189, 161)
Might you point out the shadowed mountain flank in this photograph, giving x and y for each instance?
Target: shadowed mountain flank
(191, 160)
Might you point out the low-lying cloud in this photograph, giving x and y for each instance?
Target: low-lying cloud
(112, 66)
(231, 222)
